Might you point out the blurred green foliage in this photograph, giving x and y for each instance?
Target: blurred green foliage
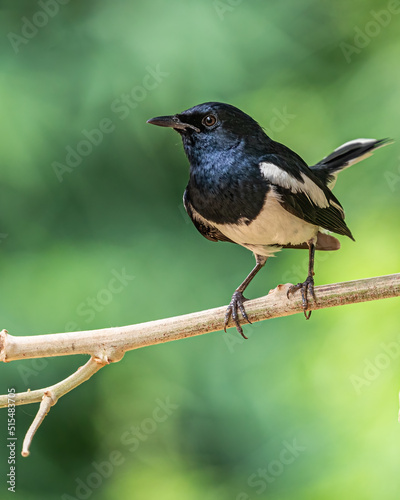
(304, 410)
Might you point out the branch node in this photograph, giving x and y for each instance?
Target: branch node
(3, 350)
(111, 356)
(102, 359)
(50, 394)
(280, 288)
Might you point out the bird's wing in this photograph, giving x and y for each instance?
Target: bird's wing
(303, 194)
(202, 225)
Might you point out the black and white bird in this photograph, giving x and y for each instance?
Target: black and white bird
(247, 189)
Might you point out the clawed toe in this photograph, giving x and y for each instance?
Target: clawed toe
(306, 288)
(236, 304)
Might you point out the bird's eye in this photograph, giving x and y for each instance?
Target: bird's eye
(209, 120)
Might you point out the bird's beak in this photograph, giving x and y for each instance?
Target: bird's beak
(171, 121)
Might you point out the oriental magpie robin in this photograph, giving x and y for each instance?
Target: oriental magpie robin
(247, 189)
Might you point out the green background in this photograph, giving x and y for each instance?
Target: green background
(315, 75)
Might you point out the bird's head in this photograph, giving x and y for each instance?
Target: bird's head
(213, 127)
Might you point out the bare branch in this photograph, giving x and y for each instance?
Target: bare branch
(82, 374)
(109, 345)
(44, 408)
(50, 396)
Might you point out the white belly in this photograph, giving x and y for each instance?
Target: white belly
(273, 226)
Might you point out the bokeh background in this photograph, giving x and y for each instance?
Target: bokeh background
(304, 410)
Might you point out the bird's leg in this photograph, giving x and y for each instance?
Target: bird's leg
(308, 285)
(237, 300)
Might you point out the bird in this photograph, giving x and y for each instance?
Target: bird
(245, 188)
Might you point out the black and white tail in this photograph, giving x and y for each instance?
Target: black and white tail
(344, 156)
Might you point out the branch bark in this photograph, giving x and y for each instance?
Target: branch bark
(112, 343)
(50, 396)
(109, 345)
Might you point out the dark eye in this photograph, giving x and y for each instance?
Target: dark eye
(209, 120)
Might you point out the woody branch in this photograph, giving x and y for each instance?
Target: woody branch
(109, 345)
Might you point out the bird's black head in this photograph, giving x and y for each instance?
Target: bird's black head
(213, 127)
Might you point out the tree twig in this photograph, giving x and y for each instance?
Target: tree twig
(82, 374)
(44, 409)
(109, 345)
(50, 396)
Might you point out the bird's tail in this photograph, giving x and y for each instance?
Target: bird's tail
(345, 156)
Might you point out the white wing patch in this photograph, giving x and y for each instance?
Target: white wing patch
(278, 176)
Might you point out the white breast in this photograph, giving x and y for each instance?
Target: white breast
(273, 226)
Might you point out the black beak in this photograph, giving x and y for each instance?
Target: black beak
(171, 121)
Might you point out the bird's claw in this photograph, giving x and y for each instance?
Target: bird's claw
(236, 304)
(306, 288)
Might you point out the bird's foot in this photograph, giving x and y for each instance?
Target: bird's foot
(306, 288)
(235, 305)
